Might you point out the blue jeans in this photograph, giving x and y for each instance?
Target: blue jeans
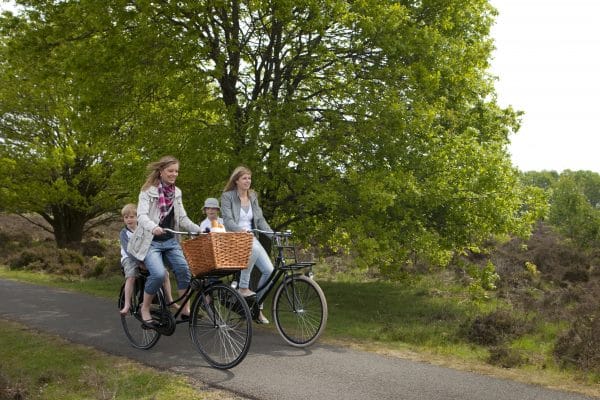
(156, 266)
(261, 259)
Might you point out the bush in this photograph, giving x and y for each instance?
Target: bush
(101, 266)
(93, 248)
(576, 275)
(506, 357)
(69, 256)
(46, 257)
(9, 243)
(495, 328)
(35, 250)
(24, 259)
(579, 346)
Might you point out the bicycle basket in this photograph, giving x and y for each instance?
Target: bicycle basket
(221, 252)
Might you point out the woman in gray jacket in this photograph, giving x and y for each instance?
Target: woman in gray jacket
(160, 206)
(241, 213)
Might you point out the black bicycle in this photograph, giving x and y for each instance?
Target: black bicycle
(299, 306)
(220, 323)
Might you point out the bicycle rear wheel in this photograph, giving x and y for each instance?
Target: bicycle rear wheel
(139, 336)
(299, 310)
(221, 326)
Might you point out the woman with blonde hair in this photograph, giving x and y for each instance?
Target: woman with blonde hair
(242, 213)
(160, 206)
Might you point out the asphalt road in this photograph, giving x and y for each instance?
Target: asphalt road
(272, 370)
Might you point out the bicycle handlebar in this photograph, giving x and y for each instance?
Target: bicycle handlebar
(183, 233)
(274, 233)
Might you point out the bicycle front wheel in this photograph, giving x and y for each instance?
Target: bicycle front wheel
(299, 310)
(139, 336)
(221, 326)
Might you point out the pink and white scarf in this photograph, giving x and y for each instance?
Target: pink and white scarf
(166, 194)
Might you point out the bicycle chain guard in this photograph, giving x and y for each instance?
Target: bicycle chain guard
(166, 323)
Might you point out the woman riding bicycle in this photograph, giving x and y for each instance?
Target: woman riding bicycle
(242, 213)
(160, 206)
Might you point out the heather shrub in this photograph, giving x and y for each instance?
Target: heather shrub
(28, 244)
(102, 266)
(494, 328)
(93, 248)
(26, 258)
(505, 357)
(579, 345)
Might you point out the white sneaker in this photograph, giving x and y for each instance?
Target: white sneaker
(262, 319)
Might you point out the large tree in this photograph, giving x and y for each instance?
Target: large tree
(82, 96)
(372, 125)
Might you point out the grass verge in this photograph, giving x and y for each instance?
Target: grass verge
(34, 365)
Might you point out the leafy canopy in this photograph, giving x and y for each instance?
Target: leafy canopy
(370, 125)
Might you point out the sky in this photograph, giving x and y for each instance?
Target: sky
(547, 61)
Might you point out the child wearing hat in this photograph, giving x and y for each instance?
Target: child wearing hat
(212, 222)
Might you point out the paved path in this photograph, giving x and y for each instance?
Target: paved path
(272, 370)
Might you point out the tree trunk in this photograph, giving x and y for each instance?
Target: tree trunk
(68, 224)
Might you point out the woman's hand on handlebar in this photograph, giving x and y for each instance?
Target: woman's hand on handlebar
(157, 231)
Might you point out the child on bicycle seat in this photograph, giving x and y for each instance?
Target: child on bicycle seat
(212, 222)
(129, 265)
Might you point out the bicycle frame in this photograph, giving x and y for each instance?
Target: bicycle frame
(281, 268)
(196, 285)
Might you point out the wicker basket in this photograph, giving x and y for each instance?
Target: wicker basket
(219, 253)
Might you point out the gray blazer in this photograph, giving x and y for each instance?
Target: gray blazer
(230, 211)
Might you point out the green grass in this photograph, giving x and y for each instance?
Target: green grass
(415, 314)
(40, 366)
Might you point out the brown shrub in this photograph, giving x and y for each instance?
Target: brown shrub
(93, 248)
(495, 328)
(93, 258)
(9, 242)
(506, 357)
(102, 266)
(579, 346)
(576, 274)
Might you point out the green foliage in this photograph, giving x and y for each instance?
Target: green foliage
(543, 179)
(572, 212)
(573, 199)
(532, 270)
(371, 127)
(483, 279)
